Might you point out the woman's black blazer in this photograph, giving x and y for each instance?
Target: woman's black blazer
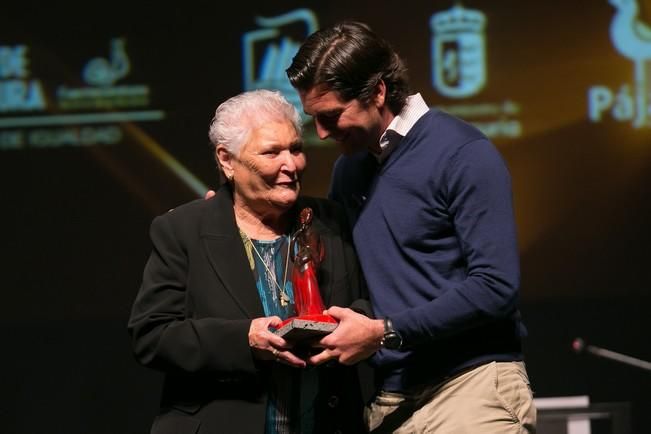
(191, 318)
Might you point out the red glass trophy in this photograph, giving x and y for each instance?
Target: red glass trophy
(309, 320)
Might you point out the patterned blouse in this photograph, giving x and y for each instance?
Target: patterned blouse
(292, 391)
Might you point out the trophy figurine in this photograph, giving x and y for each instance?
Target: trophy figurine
(309, 320)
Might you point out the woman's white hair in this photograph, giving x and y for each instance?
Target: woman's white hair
(238, 116)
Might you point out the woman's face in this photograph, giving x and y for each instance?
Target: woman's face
(267, 171)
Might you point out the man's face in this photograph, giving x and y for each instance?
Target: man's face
(351, 124)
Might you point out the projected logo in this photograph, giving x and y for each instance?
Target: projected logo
(18, 91)
(269, 50)
(458, 58)
(102, 74)
(631, 37)
(85, 116)
(458, 55)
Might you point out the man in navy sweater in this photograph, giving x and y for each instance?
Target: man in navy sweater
(430, 201)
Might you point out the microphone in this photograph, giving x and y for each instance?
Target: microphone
(579, 346)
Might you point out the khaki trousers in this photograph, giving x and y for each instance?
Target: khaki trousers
(491, 398)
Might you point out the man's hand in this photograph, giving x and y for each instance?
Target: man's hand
(356, 338)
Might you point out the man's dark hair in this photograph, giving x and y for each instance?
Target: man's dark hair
(351, 59)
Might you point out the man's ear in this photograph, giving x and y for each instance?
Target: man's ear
(380, 93)
(225, 159)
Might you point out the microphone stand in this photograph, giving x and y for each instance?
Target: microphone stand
(579, 346)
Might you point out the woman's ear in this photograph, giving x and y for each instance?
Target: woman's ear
(225, 159)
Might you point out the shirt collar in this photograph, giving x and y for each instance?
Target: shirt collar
(415, 107)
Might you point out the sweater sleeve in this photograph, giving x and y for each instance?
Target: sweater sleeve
(357, 288)
(479, 200)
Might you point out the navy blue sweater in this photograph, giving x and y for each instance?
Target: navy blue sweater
(434, 229)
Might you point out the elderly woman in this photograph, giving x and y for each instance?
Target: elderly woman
(218, 279)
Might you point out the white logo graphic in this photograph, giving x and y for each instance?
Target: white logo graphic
(274, 52)
(632, 38)
(102, 72)
(458, 53)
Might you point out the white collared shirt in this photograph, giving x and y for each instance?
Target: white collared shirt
(414, 108)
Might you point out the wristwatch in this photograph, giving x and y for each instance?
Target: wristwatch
(391, 339)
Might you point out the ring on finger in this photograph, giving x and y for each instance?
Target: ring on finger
(275, 352)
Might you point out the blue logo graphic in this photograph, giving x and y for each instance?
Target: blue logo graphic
(458, 53)
(269, 51)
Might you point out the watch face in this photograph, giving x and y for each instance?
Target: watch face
(392, 341)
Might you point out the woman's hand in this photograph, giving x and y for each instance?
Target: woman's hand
(265, 345)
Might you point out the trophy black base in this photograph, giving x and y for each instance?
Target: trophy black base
(305, 328)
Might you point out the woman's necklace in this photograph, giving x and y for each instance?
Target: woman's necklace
(284, 298)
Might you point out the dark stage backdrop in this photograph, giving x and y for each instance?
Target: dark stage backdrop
(104, 112)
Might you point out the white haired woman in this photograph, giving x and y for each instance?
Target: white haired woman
(219, 277)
